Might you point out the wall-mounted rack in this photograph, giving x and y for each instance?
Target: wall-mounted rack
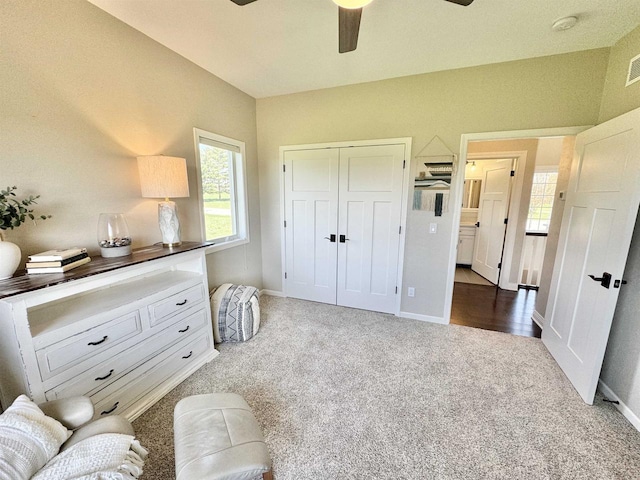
(435, 169)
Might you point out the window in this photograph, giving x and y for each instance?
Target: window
(541, 204)
(222, 189)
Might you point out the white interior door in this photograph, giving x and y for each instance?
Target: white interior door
(369, 218)
(492, 212)
(597, 224)
(311, 212)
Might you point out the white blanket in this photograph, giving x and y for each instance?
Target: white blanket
(109, 456)
(28, 439)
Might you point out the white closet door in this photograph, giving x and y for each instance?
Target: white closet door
(311, 209)
(369, 218)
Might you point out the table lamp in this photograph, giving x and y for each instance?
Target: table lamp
(164, 177)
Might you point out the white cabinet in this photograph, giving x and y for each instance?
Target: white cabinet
(466, 241)
(123, 333)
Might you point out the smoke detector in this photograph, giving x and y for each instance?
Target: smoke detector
(564, 23)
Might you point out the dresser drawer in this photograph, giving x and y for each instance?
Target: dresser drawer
(150, 375)
(164, 310)
(59, 356)
(107, 372)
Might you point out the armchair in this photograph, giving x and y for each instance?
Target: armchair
(58, 439)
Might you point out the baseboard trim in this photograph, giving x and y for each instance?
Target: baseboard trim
(539, 319)
(423, 318)
(272, 293)
(626, 411)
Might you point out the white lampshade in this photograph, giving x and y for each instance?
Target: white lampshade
(163, 177)
(352, 3)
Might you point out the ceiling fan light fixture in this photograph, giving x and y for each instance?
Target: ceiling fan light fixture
(352, 4)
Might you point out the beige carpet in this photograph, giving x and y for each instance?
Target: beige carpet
(348, 394)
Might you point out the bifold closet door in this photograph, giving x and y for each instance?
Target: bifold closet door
(342, 213)
(369, 213)
(311, 212)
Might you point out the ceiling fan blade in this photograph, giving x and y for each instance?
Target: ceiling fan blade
(348, 26)
(464, 3)
(243, 2)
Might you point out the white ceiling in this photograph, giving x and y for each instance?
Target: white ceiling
(274, 47)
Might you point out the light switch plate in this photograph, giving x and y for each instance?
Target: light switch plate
(433, 228)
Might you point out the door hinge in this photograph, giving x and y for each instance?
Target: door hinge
(285, 275)
(500, 265)
(285, 224)
(513, 173)
(400, 230)
(284, 168)
(506, 221)
(396, 289)
(404, 164)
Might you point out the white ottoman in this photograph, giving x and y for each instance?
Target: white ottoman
(217, 437)
(235, 312)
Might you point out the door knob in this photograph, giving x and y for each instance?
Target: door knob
(477, 224)
(605, 279)
(331, 238)
(343, 238)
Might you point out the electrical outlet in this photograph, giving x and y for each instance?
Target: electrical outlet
(433, 228)
(411, 292)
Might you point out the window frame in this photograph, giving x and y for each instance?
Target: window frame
(238, 189)
(542, 169)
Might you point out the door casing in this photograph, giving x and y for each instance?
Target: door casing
(406, 141)
(458, 182)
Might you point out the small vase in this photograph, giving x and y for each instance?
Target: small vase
(10, 256)
(113, 235)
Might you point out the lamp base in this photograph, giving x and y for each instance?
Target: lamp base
(169, 224)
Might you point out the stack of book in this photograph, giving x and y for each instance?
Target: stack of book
(57, 261)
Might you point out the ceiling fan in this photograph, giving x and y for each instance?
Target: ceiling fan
(349, 14)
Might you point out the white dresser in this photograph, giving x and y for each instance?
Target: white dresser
(122, 331)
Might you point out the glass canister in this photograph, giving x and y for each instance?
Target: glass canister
(113, 235)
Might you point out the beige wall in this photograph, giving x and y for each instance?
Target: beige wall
(621, 369)
(618, 99)
(564, 169)
(82, 95)
(561, 90)
(529, 145)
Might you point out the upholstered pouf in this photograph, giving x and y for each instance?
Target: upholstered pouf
(236, 313)
(217, 438)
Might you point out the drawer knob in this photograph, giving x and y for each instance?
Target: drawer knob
(182, 303)
(105, 377)
(188, 356)
(99, 341)
(182, 331)
(107, 412)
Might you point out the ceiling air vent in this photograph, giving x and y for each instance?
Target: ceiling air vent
(634, 70)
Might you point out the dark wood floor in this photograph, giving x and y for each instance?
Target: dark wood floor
(490, 308)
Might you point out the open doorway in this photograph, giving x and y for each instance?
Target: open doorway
(505, 297)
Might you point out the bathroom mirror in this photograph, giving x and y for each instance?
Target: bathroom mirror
(471, 194)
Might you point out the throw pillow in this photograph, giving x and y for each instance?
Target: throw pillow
(28, 439)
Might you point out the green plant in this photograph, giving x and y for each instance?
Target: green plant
(14, 212)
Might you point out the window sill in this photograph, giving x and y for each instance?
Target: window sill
(216, 247)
